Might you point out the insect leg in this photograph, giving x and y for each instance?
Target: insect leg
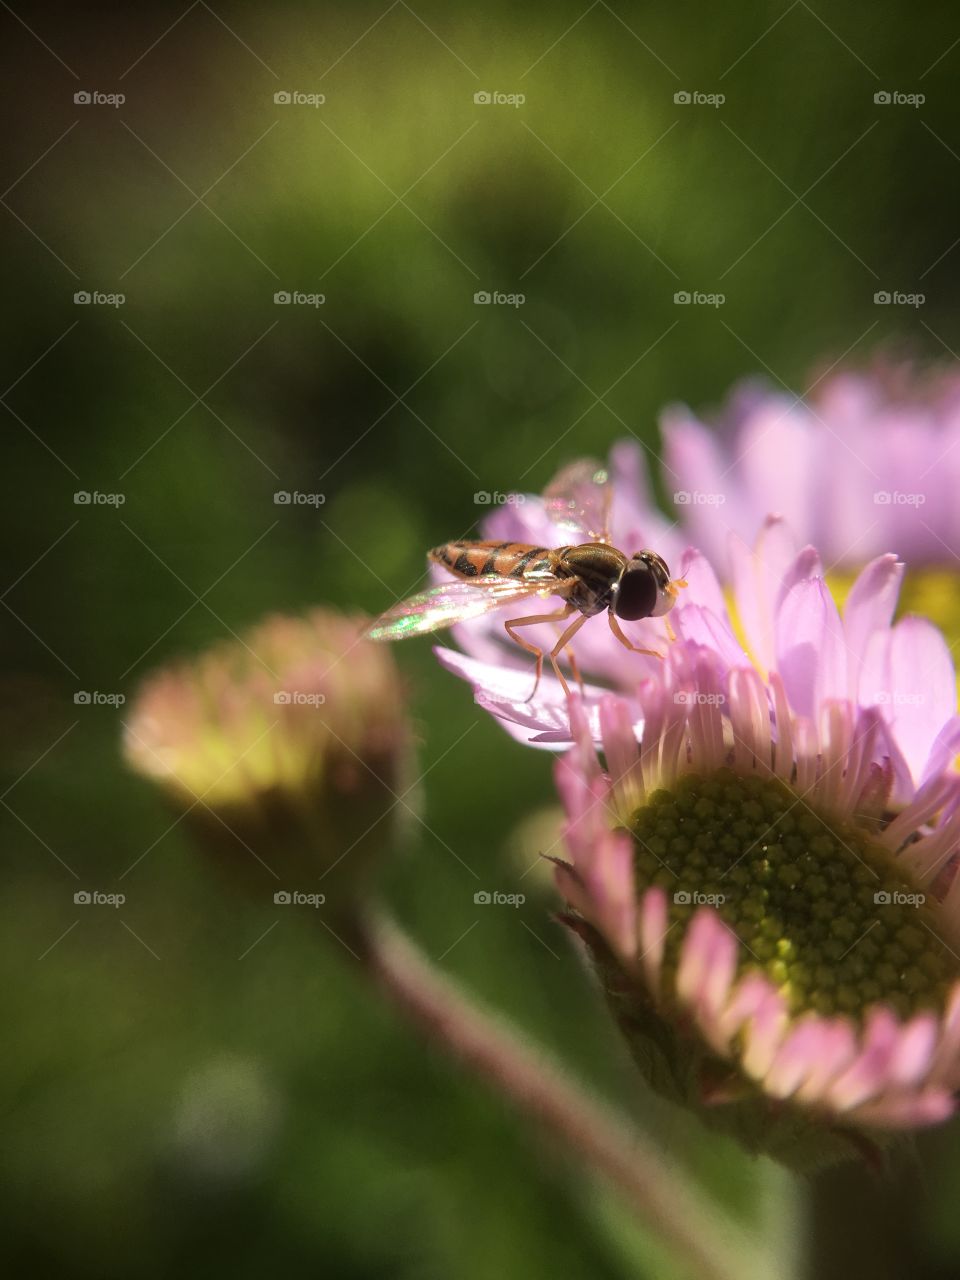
(529, 621)
(564, 640)
(628, 644)
(575, 668)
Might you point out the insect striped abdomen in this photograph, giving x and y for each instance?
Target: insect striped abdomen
(498, 559)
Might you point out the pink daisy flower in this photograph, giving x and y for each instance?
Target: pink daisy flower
(766, 874)
(893, 442)
(779, 946)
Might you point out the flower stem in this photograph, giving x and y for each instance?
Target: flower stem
(484, 1043)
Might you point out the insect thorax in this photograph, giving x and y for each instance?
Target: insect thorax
(597, 568)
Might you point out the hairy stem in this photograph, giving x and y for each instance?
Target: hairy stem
(592, 1131)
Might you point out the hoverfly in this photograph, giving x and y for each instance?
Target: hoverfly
(589, 575)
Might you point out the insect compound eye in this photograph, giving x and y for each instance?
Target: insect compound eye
(663, 598)
(654, 562)
(638, 594)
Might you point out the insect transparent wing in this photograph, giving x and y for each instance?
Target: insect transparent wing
(453, 602)
(578, 500)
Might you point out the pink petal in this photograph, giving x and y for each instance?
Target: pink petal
(634, 511)
(610, 882)
(576, 795)
(913, 1055)
(703, 586)
(946, 1064)
(796, 1058)
(572, 889)
(869, 608)
(622, 754)
(945, 748)
(837, 758)
(909, 1111)
(750, 995)
(807, 749)
(750, 717)
(836, 1050)
(923, 689)
(757, 577)
(697, 953)
(777, 449)
(868, 1075)
(852, 523)
(716, 985)
(811, 652)
(806, 565)
(695, 464)
(764, 1035)
(784, 755)
(503, 691)
(654, 927)
(708, 964)
(702, 626)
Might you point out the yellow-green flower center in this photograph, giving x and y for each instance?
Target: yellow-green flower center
(933, 593)
(816, 902)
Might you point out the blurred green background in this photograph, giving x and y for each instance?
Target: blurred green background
(194, 1084)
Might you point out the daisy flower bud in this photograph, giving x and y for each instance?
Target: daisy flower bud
(285, 748)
